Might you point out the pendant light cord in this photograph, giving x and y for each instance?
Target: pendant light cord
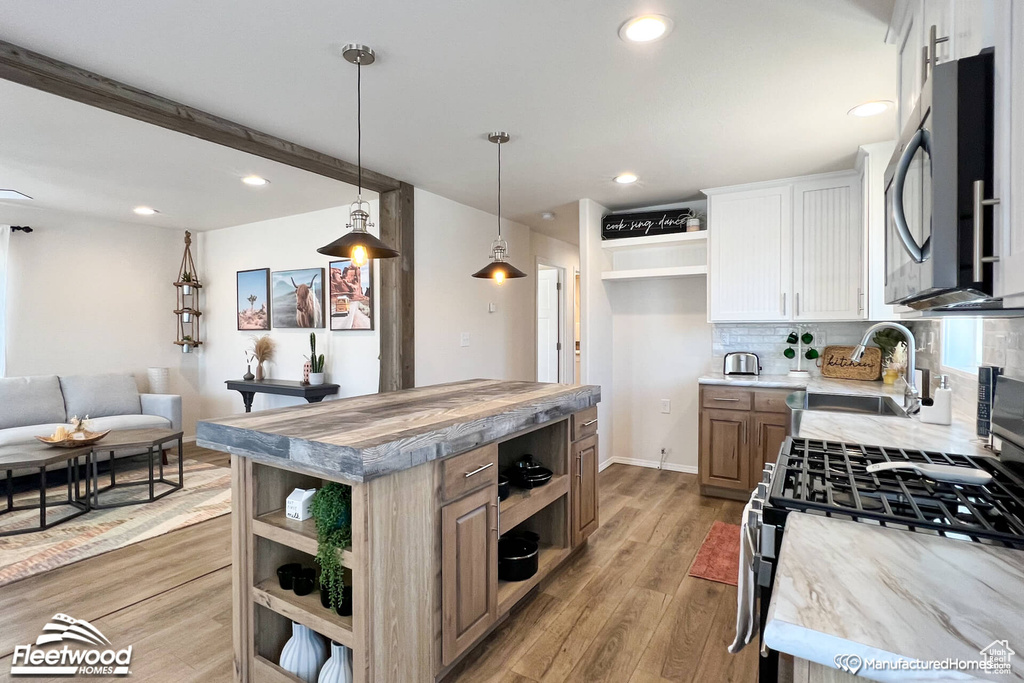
(499, 189)
(359, 123)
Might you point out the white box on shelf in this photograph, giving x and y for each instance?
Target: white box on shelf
(298, 504)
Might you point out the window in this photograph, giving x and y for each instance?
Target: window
(961, 343)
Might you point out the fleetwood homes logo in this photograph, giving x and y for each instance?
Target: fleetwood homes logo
(86, 651)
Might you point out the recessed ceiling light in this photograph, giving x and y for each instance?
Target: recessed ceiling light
(13, 194)
(870, 108)
(548, 216)
(625, 178)
(255, 180)
(646, 28)
(144, 211)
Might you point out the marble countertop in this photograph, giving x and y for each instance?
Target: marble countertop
(365, 437)
(853, 588)
(958, 437)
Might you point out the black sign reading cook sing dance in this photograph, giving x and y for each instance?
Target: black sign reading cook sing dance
(620, 225)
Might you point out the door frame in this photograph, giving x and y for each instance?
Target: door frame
(563, 364)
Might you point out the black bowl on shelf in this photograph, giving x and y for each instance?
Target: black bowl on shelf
(286, 573)
(528, 474)
(503, 487)
(517, 558)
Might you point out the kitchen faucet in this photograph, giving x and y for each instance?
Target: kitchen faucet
(911, 397)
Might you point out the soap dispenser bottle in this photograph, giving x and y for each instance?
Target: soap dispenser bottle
(940, 412)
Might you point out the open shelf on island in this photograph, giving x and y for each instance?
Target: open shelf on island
(524, 503)
(649, 273)
(266, 671)
(510, 592)
(654, 240)
(301, 536)
(304, 609)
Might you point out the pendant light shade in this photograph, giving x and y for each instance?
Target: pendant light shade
(499, 269)
(359, 245)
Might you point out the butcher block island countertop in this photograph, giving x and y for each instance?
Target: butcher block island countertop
(422, 465)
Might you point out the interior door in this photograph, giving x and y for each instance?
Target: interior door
(469, 570)
(548, 346)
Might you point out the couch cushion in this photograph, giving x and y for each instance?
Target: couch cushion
(16, 436)
(26, 401)
(102, 424)
(100, 395)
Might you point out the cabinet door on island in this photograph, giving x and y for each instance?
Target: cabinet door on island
(469, 570)
(584, 489)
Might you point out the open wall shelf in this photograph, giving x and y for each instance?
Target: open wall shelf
(654, 240)
(655, 273)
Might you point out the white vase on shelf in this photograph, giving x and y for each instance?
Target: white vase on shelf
(304, 654)
(338, 668)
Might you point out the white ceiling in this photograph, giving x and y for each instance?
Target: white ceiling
(77, 159)
(739, 91)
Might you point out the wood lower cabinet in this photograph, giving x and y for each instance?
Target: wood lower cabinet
(584, 489)
(469, 570)
(740, 430)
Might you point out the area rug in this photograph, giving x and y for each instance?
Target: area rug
(719, 556)
(207, 494)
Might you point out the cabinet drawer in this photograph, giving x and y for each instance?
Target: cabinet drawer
(584, 423)
(771, 401)
(726, 398)
(469, 471)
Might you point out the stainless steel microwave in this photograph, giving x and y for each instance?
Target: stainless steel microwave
(939, 228)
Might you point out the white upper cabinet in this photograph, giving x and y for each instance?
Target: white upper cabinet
(828, 241)
(749, 265)
(1008, 172)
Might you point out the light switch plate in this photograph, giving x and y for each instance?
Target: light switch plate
(491, 308)
(464, 339)
(666, 406)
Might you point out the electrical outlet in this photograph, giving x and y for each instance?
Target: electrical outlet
(491, 308)
(464, 339)
(666, 406)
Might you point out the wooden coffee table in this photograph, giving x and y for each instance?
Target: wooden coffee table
(152, 440)
(39, 456)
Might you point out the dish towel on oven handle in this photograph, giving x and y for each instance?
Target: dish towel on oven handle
(746, 589)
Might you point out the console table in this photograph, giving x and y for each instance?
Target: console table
(282, 387)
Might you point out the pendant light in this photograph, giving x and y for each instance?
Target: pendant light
(499, 269)
(359, 245)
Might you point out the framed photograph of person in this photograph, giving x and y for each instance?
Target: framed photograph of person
(253, 287)
(351, 301)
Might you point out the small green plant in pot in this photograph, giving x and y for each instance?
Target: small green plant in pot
(332, 512)
(316, 363)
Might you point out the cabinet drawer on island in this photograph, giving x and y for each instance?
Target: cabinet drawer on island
(584, 423)
(469, 471)
(726, 398)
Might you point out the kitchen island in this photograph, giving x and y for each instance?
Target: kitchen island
(422, 465)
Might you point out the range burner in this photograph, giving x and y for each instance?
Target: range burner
(832, 477)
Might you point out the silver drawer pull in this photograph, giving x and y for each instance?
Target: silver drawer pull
(478, 470)
(589, 422)
(729, 400)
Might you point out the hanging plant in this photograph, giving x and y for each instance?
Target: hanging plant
(332, 511)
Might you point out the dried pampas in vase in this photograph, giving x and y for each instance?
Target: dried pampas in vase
(262, 351)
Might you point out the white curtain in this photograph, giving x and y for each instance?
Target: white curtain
(5, 243)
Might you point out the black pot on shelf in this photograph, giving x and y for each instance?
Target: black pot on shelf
(302, 584)
(517, 558)
(325, 597)
(528, 474)
(345, 608)
(503, 487)
(287, 572)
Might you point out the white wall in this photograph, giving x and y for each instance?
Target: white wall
(553, 252)
(88, 296)
(452, 242)
(596, 324)
(352, 357)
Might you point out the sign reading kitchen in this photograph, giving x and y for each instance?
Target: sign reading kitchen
(621, 225)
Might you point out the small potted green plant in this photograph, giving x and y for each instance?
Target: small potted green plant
(332, 512)
(810, 354)
(186, 346)
(316, 363)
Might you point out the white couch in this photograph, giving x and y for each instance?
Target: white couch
(36, 406)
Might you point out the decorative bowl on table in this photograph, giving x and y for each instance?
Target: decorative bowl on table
(73, 439)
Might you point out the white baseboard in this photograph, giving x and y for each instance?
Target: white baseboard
(653, 464)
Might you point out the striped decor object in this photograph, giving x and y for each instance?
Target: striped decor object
(206, 495)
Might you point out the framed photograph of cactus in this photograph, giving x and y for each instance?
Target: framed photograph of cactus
(253, 287)
(351, 298)
(298, 297)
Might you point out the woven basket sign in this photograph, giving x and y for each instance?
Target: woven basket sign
(835, 362)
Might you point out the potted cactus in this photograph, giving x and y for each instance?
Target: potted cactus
(316, 363)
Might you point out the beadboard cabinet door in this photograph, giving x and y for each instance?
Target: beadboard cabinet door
(750, 252)
(828, 242)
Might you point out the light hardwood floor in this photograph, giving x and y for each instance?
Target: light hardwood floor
(621, 610)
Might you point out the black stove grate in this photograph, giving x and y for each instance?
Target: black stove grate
(831, 477)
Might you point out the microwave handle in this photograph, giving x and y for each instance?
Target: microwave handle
(979, 230)
(918, 252)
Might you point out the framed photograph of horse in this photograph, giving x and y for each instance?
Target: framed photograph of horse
(253, 288)
(298, 298)
(351, 300)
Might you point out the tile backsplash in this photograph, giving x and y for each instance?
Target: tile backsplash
(768, 341)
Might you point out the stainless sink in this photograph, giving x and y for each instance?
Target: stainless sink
(857, 405)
